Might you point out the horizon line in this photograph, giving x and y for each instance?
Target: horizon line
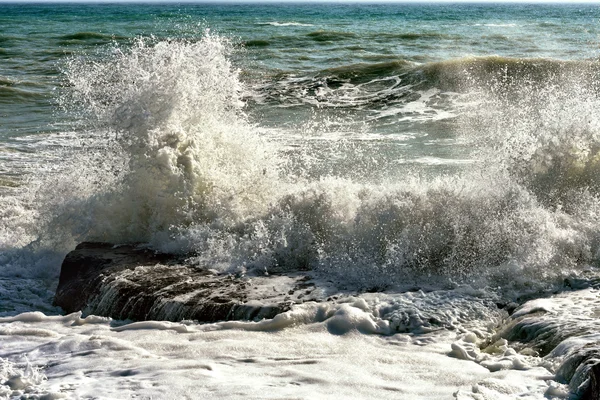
(298, 2)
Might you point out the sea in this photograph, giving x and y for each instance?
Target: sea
(438, 162)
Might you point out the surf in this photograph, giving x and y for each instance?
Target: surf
(173, 161)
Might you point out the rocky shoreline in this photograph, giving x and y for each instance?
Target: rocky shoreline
(129, 282)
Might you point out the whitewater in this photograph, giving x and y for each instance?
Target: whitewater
(453, 201)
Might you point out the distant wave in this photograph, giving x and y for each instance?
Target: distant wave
(4, 81)
(348, 39)
(85, 36)
(257, 43)
(89, 37)
(11, 93)
(275, 23)
(330, 36)
(9, 41)
(410, 36)
(509, 25)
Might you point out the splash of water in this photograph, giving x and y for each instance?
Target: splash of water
(189, 155)
(171, 160)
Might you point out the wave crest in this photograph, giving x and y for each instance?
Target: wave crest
(384, 83)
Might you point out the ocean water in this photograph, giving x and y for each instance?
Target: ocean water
(444, 158)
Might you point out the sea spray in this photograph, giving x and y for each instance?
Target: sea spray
(174, 111)
(505, 221)
(170, 159)
(543, 132)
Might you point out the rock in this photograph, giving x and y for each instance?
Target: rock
(127, 282)
(543, 324)
(580, 368)
(593, 389)
(564, 330)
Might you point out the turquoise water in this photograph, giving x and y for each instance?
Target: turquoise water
(285, 39)
(352, 63)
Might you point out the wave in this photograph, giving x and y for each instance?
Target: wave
(257, 43)
(9, 41)
(410, 36)
(10, 93)
(172, 161)
(382, 84)
(5, 81)
(463, 73)
(356, 85)
(15, 90)
(182, 138)
(546, 137)
(275, 23)
(91, 37)
(507, 25)
(361, 73)
(330, 36)
(88, 36)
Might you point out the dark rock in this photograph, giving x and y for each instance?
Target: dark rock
(593, 389)
(562, 328)
(132, 283)
(580, 370)
(127, 282)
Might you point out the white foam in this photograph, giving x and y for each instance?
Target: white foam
(275, 23)
(156, 325)
(324, 350)
(148, 360)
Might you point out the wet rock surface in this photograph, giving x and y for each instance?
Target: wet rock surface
(133, 283)
(565, 330)
(127, 282)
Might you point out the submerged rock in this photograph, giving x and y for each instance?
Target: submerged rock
(127, 282)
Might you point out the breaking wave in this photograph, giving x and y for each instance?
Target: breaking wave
(171, 160)
(184, 152)
(275, 23)
(387, 83)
